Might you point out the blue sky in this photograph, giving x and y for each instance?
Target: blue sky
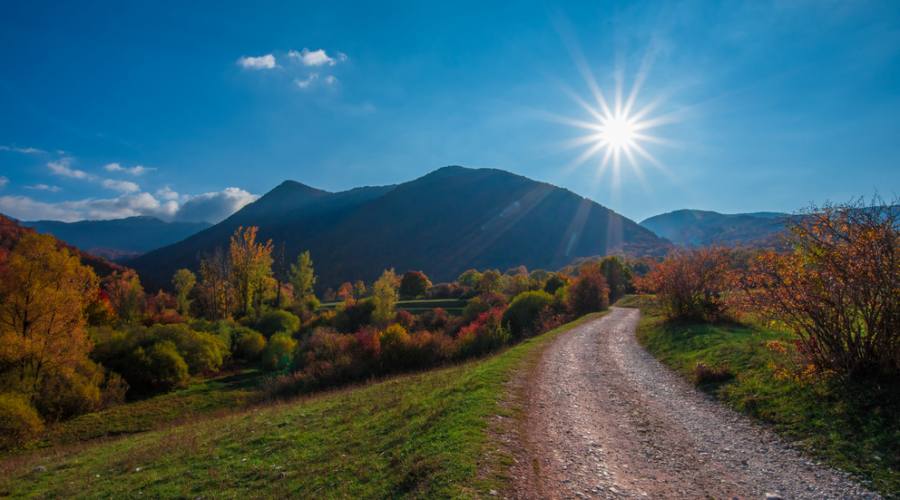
(762, 105)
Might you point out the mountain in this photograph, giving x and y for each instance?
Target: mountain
(11, 231)
(443, 223)
(119, 237)
(694, 228)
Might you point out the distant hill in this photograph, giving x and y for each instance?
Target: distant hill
(11, 231)
(119, 238)
(443, 223)
(694, 228)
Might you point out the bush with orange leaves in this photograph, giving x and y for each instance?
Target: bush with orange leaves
(692, 284)
(839, 289)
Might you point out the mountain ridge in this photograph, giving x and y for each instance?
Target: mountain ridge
(443, 222)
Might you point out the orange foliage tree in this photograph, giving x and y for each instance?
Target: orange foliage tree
(692, 284)
(589, 292)
(839, 289)
(44, 291)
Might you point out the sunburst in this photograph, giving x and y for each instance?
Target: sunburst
(617, 134)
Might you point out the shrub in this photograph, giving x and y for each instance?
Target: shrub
(692, 285)
(481, 304)
(394, 342)
(618, 277)
(165, 369)
(483, 335)
(249, 344)
(66, 393)
(279, 353)
(19, 421)
(589, 292)
(352, 317)
(524, 311)
(414, 284)
(554, 283)
(328, 358)
(838, 289)
(276, 321)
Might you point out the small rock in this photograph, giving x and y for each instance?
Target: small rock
(493, 493)
(137, 469)
(774, 496)
(39, 468)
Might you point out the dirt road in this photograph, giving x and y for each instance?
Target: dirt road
(605, 419)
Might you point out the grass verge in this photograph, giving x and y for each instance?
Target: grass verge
(855, 429)
(422, 435)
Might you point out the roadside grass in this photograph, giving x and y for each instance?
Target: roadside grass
(856, 429)
(421, 435)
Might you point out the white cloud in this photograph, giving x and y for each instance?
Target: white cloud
(3, 181)
(305, 83)
(167, 193)
(135, 170)
(330, 80)
(44, 187)
(259, 62)
(122, 186)
(209, 207)
(316, 57)
(214, 207)
(63, 167)
(27, 151)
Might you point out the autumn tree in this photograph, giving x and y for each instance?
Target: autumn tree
(43, 294)
(692, 284)
(414, 284)
(216, 292)
(359, 289)
(839, 289)
(303, 277)
(126, 295)
(345, 293)
(490, 281)
(588, 292)
(618, 277)
(384, 297)
(183, 281)
(251, 269)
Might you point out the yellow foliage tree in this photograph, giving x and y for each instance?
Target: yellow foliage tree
(251, 268)
(44, 290)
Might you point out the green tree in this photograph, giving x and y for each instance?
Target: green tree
(524, 312)
(618, 277)
(384, 297)
(183, 281)
(303, 277)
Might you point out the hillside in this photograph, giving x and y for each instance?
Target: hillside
(695, 228)
(427, 435)
(443, 223)
(11, 231)
(118, 237)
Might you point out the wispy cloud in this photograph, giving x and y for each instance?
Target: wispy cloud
(63, 167)
(209, 207)
(305, 83)
(135, 170)
(3, 181)
(316, 57)
(27, 151)
(44, 187)
(257, 62)
(121, 186)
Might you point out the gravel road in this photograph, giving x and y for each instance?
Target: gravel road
(605, 419)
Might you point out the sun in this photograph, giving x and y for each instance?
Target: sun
(618, 132)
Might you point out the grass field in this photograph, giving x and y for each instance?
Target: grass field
(423, 435)
(856, 429)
